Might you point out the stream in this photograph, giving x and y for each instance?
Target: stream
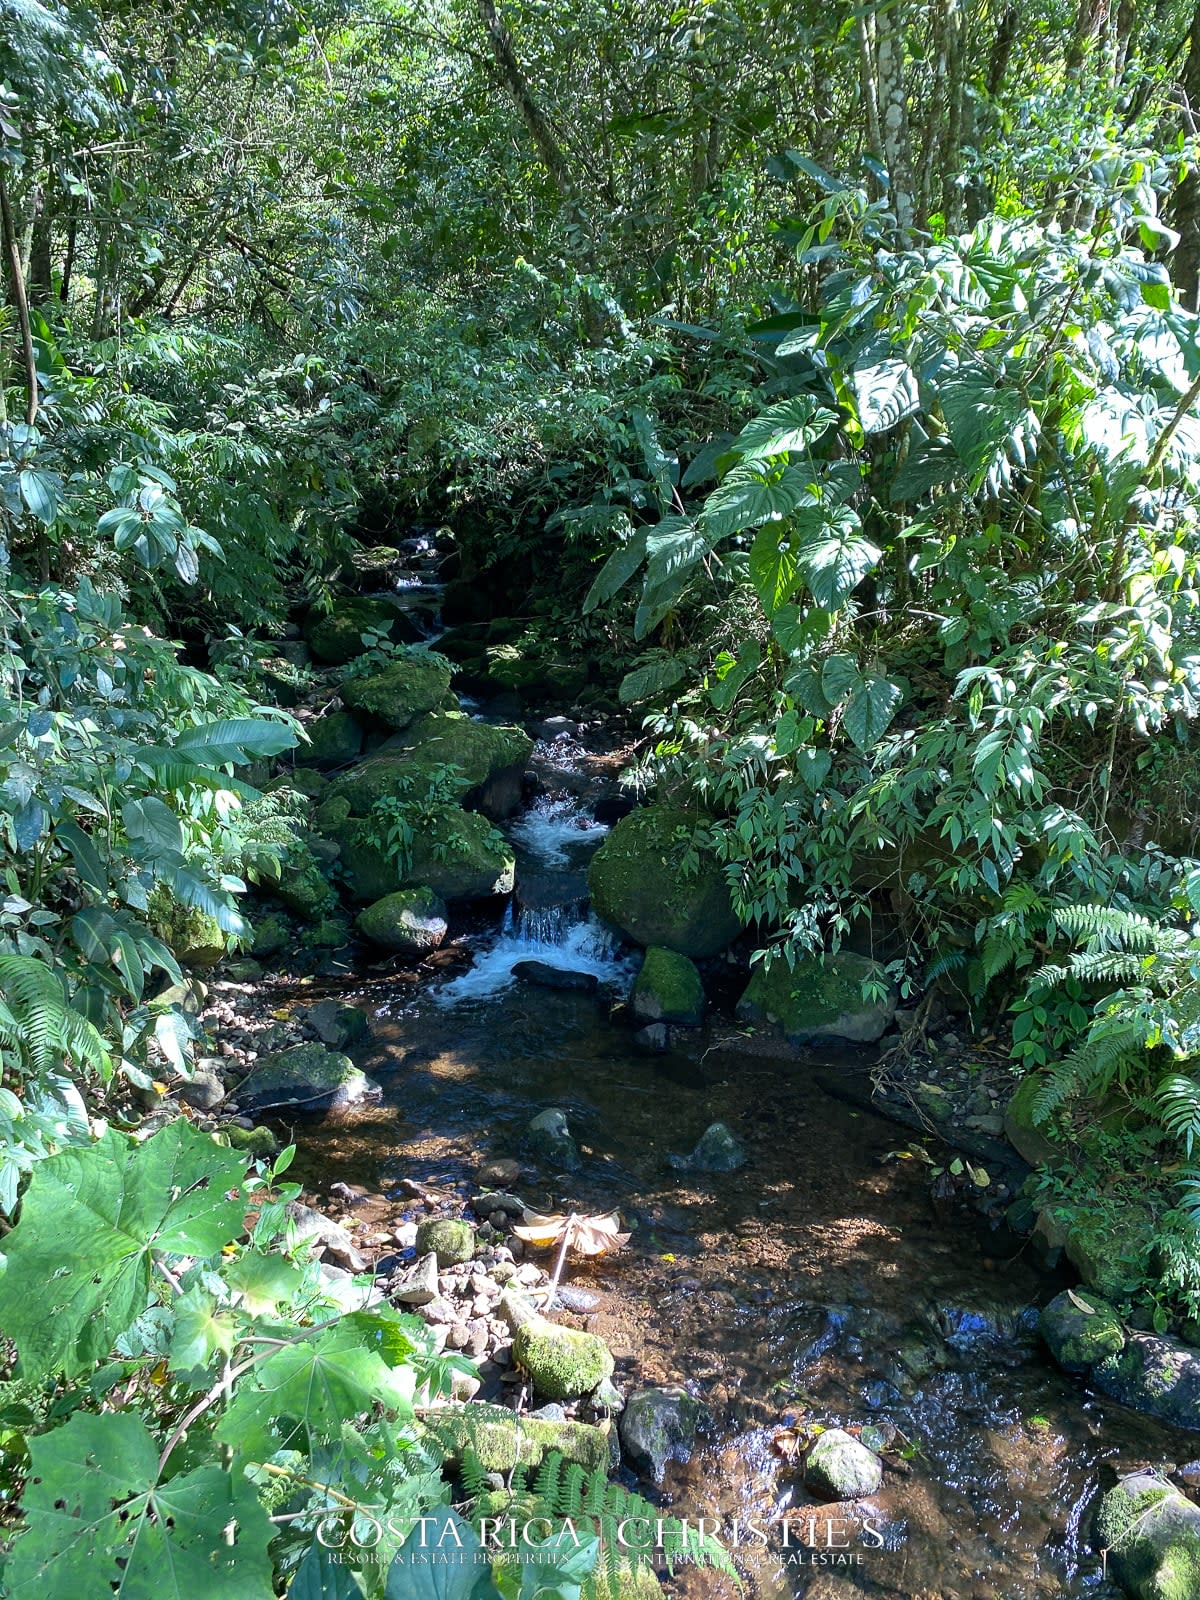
(819, 1284)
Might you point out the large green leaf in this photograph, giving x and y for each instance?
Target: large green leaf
(657, 676)
(235, 739)
(79, 1260)
(885, 392)
(616, 571)
(752, 494)
(836, 555)
(793, 424)
(774, 570)
(441, 1560)
(674, 549)
(305, 1392)
(983, 416)
(870, 709)
(99, 1525)
(322, 1576)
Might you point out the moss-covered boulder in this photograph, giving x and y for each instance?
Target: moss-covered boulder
(562, 1363)
(1030, 1139)
(192, 936)
(402, 691)
(302, 886)
(333, 740)
(450, 1239)
(490, 757)
(820, 998)
(1109, 1250)
(840, 1466)
(668, 989)
(337, 636)
(1081, 1330)
(459, 855)
(640, 884)
(307, 1077)
(1151, 1533)
(411, 922)
(331, 813)
(1155, 1374)
(501, 1440)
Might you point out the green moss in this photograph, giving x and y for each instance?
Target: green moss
(333, 740)
(639, 883)
(502, 1440)
(1153, 1542)
(402, 692)
(562, 1363)
(337, 637)
(327, 933)
(479, 749)
(668, 988)
(308, 1075)
(331, 812)
(458, 855)
(1027, 1137)
(271, 935)
(258, 1143)
(449, 1238)
(1108, 1249)
(1081, 1330)
(411, 921)
(818, 998)
(303, 887)
(192, 936)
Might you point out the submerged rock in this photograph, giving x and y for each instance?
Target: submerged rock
(549, 1138)
(717, 1150)
(562, 1363)
(411, 922)
(641, 885)
(401, 692)
(820, 998)
(1151, 1534)
(839, 1466)
(547, 976)
(668, 989)
(450, 1239)
(658, 1425)
(337, 1025)
(1081, 1330)
(309, 1078)
(653, 1040)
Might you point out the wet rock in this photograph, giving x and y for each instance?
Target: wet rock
(333, 740)
(1155, 1374)
(1107, 1250)
(410, 922)
(456, 853)
(260, 1144)
(562, 1363)
(639, 885)
(501, 1440)
(716, 1151)
(1151, 1533)
(547, 976)
(420, 1286)
(839, 1466)
(337, 637)
(203, 1090)
(668, 989)
(580, 1302)
(337, 1025)
(549, 1139)
(979, 1320)
(1028, 1138)
(450, 1239)
(499, 1174)
(308, 1077)
(496, 1200)
(658, 1425)
(820, 998)
(490, 758)
(653, 1040)
(402, 691)
(1081, 1330)
(243, 970)
(309, 1226)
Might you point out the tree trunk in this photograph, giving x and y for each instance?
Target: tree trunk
(1185, 205)
(12, 256)
(893, 116)
(515, 82)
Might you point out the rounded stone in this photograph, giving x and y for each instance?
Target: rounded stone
(840, 1467)
(450, 1239)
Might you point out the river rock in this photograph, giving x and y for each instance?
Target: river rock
(501, 1440)
(820, 998)
(668, 989)
(302, 886)
(839, 1466)
(455, 853)
(1151, 1534)
(490, 758)
(271, 935)
(547, 976)
(337, 636)
(562, 1363)
(402, 691)
(639, 884)
(658, 1425)
(449, 1238)
(307, 1077)
(411, 922)
(499, 1173)
(653, 1040)
(1081, 1330)
(1155, 1374)
(1108, 1250)
(420, 1286)
(204, 1089)
(337, 1025)
(717, 1150)
(307, 1225)
(1030, 1140)
(549, 1138)
(333, 740)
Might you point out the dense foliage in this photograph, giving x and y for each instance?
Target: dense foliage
(825, 381)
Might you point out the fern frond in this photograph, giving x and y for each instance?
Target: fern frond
(1179, 1105)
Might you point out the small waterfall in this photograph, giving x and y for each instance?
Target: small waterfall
(563, 936)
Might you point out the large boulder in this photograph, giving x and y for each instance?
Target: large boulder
(1151, 1533)
(820, 998)
(1155, 1374)
(1109, 1251)
(458, 855)
(307, 1077)
(668, 989)
(333, 740)
(302, 886)
(489, 763)
(658, 1425)
(1028, 1138)
(640, 885)
(411, 922)
(403, 691)
(337, 636)
(1081, 1330)
(562, 1363)
(500, 1440)
(839, 1466)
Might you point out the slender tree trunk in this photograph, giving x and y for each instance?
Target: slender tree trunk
(893, 115)
(12, 256)
(865, 30)
(1185, 204)
(549, 149)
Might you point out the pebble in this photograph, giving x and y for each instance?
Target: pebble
(458, 1338)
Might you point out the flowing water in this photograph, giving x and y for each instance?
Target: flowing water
(817, 1285)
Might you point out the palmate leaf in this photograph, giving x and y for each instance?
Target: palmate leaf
(304, 1392)
(79, 1260)
(98, 1525)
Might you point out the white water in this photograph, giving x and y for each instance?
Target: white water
(560, 936)
(556, 832)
